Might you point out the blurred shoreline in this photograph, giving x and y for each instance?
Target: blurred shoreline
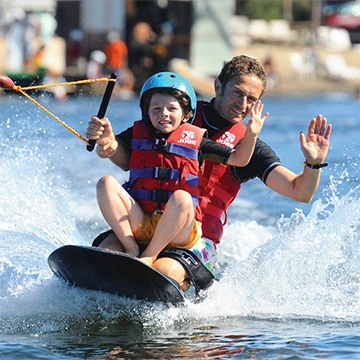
(296, 84)
(289, 82)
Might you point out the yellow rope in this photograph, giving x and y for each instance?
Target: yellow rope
(21, 90)
(86, 81)
(18, 88)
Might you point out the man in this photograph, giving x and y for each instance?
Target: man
(241, 82)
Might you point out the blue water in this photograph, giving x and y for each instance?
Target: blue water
(290, 272)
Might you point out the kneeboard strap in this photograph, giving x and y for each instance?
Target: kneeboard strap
(200, 276)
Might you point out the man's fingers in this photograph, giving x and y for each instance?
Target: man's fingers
(323, 127)
(302, 139)
(328, 132)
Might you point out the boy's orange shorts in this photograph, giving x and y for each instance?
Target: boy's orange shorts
(147, 228)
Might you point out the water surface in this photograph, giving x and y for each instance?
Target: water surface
(289, 272)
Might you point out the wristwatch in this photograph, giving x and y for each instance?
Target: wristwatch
(315, 166)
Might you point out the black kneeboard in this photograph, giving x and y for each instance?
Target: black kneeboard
(117, 273)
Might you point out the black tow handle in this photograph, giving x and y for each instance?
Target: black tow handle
(103, 106)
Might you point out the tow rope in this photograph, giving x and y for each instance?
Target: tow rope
(8, 84)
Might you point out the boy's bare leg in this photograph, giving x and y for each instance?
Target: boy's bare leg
(175, 226)
(121, 211)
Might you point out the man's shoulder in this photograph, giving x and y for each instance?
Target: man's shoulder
(263, 161)
(262, 145)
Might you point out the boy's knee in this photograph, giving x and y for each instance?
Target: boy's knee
(181, 201)
(182, 197)
(105, 182)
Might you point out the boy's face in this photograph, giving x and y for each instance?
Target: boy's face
(165, 113)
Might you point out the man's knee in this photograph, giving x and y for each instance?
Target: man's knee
(173, 269)
(111, 242)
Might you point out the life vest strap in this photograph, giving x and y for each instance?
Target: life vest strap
(222, 194)
(216, 212)
(155, 173)
(158, 196)
(160, 174)
(161, 145)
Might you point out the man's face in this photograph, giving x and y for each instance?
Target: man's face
(235, 100)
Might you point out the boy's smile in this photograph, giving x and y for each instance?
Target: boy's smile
(165, 113)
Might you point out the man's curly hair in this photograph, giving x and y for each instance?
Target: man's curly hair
(242, 65)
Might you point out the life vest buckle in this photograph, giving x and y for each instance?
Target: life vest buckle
(161, 145)
(160, 196)
(162, 173)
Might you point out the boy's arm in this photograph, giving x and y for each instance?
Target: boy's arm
(107, 144)
(242, 155)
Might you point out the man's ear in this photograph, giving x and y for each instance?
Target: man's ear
(218, 87)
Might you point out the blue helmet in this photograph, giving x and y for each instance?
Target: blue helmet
(170, 80)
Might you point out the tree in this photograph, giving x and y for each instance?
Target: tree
(274, 9)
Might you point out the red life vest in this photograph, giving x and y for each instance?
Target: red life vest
(218, 187)
(158, 167)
